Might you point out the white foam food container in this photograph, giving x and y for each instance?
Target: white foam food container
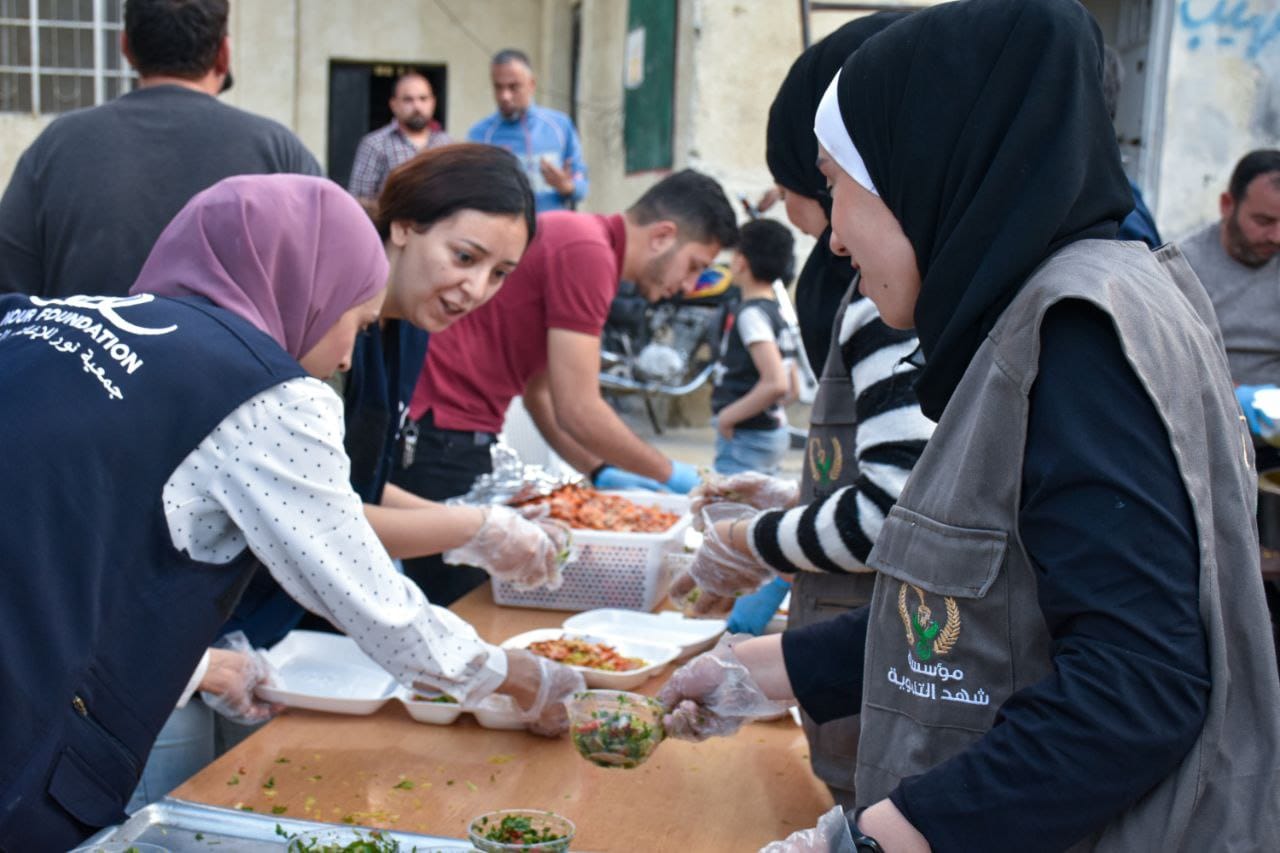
(667, 628)
(436, 713)
(494, 711)
(655, 655)
(326, 672)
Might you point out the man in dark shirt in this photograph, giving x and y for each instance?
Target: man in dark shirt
(89, 197)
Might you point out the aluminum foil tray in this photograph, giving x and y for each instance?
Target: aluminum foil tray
(181, 827)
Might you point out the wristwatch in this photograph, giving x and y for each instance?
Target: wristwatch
(865, 843)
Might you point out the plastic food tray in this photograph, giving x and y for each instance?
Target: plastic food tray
(180, 827)
(668, 627)
(326, 672)
(329, 672)
(605, 569)
(655, 655)
(492, 712)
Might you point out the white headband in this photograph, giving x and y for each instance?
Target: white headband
(829, 127)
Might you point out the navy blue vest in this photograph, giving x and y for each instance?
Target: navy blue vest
(384, 370)
(102, 619)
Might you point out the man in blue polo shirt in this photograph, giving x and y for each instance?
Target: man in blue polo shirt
(543, 139)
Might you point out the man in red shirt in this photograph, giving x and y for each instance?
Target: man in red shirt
(540, 338)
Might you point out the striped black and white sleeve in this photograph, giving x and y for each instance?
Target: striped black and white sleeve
(835, 534)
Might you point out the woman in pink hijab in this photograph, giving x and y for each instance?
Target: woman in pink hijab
(290, 254)
(157, 447)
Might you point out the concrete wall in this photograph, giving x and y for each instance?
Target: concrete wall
(417, 31)
(1222, 101)
(1215, 98)
(731, 55)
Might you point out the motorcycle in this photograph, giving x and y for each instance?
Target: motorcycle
(669, 348)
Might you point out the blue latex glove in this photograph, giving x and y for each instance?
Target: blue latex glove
(1259, 424)
(684, 477)
(751, 613)
(616, 478)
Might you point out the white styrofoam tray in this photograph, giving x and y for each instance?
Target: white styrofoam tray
(668, 628)
(329, 672)
(655, 655)
(326, 672)
(495, 711)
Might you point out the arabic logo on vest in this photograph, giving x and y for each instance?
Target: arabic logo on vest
(924, 635)
(825, 468)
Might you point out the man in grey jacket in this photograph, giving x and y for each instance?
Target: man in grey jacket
(89, 197)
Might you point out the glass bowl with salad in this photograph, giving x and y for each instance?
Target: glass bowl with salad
(614, 728)
(527, 830)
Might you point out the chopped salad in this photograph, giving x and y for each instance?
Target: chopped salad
(543, 832)
(619, 734)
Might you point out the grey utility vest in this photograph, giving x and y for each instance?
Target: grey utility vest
(955, 626)
(830, 464)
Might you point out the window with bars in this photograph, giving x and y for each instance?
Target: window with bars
(59, 55)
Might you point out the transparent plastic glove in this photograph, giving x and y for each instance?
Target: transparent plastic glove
(551, 683)
(235, 671)
(717, 566)
(751, 613)
(616, 478)
(684, 478)
(831, 835)
(510, 547)
(1251, 399)
(751, 488)
(713, 695)
(694, 601)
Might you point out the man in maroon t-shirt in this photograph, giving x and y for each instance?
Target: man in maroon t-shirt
(540, 338)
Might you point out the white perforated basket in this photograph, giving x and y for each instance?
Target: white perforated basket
(624, 570)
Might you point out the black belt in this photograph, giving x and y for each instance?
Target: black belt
(413, 430)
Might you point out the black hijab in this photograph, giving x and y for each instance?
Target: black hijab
(983, 127)
(792, 153)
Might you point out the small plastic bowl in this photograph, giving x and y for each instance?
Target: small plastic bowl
(539, 822)
(613, 728)
(121, 847)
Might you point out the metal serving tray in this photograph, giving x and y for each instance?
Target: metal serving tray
(182, 827)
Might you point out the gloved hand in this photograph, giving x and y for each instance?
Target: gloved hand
(751, 488)
(528, 553)
(235, 671)
(751, 613)
(831, 835)
(684, 477)
(1260, 424)
(616, 478)
(695, 602)
(717, 566)
(549, 683)
(713, 695)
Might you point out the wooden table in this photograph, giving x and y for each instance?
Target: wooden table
(730, 794)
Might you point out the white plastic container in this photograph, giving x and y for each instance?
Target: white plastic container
(606, 569)
(326, 672)
(668, 628)
(655, 655)
(436, 713)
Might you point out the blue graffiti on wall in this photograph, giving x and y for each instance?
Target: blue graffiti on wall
(1235, 22)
